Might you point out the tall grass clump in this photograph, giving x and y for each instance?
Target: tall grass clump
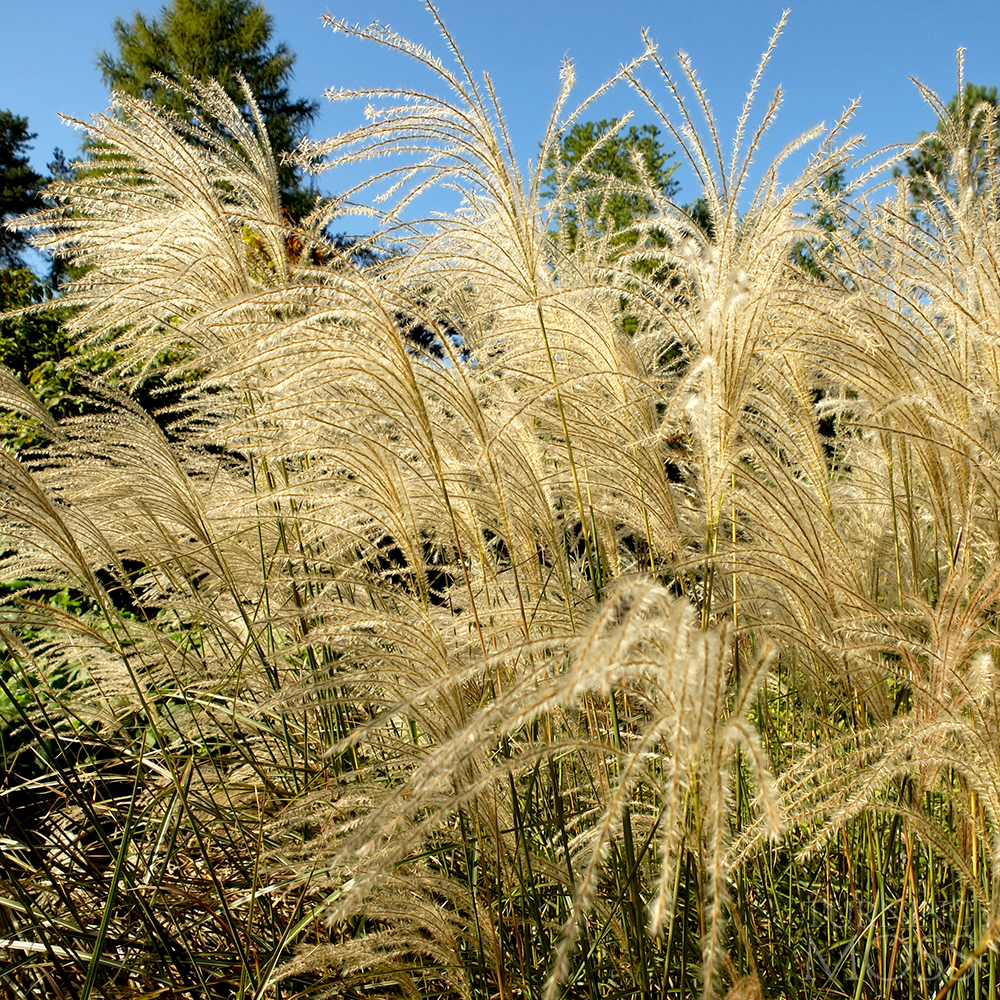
(484, 612)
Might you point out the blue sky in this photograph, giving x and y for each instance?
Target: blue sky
(829, 54)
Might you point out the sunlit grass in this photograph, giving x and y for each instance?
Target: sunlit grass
(631, 632)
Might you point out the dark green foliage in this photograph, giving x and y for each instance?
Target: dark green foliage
(598, 165)
(223, 40)
(813, 255)
(930, 165)
(31, 346)
(60, 270)
(701, 214)
(36, 347)
(18, 184)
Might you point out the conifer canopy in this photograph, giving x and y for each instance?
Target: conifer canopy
(221, 40)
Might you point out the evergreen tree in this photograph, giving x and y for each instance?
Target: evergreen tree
(811, 255)
(605, 194)
(930, 166)
(18, 184)
(34, 343)
(219, 39)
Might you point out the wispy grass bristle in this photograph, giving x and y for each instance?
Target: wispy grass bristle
(499, 614)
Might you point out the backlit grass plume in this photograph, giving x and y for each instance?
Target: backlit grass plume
(472, 612)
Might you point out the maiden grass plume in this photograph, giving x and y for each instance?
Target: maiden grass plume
(630, 632)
